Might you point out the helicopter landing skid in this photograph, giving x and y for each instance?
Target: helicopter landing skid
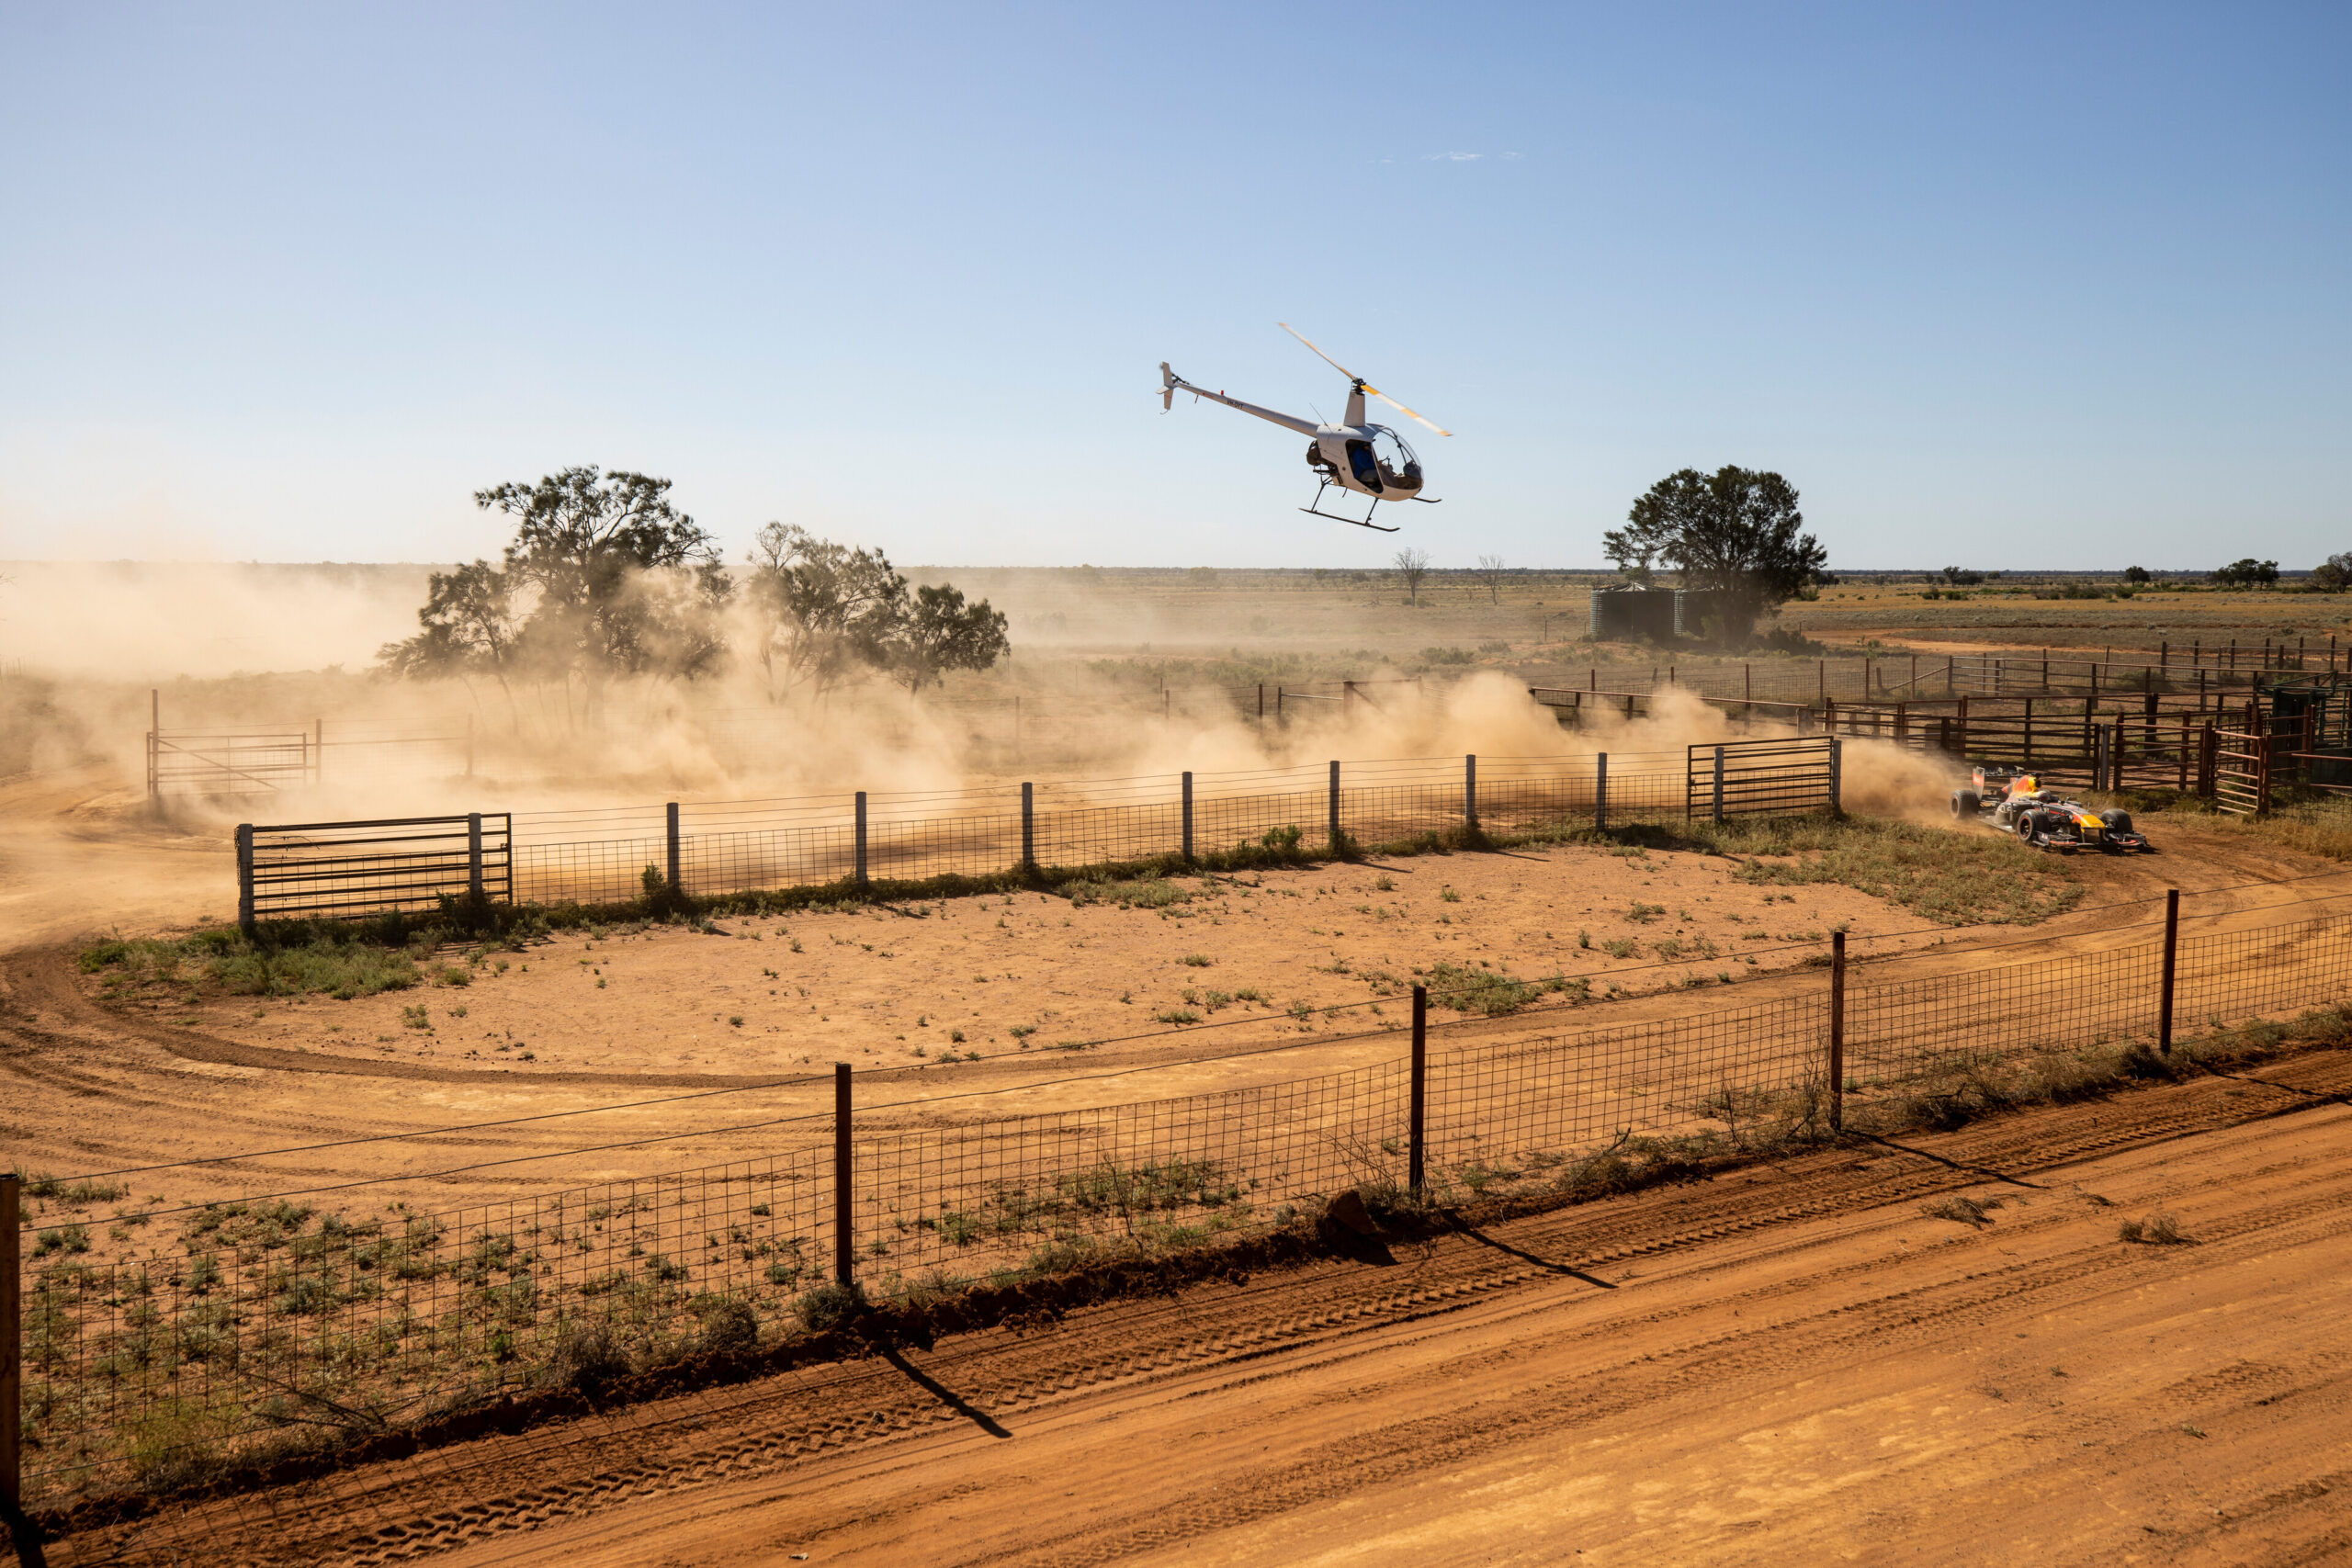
(1363, 522)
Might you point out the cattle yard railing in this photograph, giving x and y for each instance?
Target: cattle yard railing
(1761, 778)
(349, 870)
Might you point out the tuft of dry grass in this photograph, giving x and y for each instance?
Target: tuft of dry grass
(2159, 1229)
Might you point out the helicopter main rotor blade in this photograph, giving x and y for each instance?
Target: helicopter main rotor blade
(1316, 352)
(1408, 413)
(1360, 381)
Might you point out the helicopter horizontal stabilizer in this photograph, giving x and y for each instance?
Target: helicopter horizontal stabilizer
(1167, 385)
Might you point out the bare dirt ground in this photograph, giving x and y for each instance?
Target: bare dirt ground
(1789, 1363)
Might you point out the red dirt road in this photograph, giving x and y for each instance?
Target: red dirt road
(1789, 1363)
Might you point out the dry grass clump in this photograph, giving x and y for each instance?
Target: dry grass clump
(2322, 826)
(1491, 992)
(1961, 1211)
(1952, 1093)
(1955, 878)
(2159, 1229)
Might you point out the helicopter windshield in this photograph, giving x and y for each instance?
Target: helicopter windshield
(1395, 455)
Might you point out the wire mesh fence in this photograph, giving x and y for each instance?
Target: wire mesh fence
(720, 848)
(175, 1342)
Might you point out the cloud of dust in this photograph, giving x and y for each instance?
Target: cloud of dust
(1884, 780)
(282, 657)
(159, 621)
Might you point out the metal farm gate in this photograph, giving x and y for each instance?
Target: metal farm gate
(1762, 778)
(223, 763)
(339, 870)
(2241, 773)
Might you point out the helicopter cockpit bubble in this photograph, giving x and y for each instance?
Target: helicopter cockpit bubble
(1398, 467)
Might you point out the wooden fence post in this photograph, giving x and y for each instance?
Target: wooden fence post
(1416, 1166)
(1719, 784)
(1470, 793)
(2172, 948)
(1837, 1031)
(1836, 774)
(857, 848)
(246, 878)
(1600, 792)
(844, 1252)
(677, 890)
(1187, 819)
(1028, 827)
(1335, 806)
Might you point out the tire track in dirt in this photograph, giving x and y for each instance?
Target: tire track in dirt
(1327, 1313)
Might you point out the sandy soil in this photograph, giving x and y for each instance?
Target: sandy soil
(895, 984)
(1791, 1363)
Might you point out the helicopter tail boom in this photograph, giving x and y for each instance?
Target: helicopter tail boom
(1171, 384)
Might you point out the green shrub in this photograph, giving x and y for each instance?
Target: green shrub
(830, 1306)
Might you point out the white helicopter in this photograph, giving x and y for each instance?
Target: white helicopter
(1369, 459)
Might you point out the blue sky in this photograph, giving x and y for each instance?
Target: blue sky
(2004, 285)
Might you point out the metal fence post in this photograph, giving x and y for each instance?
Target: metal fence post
(473, 859)
(1470, 793)
(859, 847)
(12, 1328)
(1416, 1168)
(1188, 818)
(1335, 806)
(676, 890)
(1719, 784)
(1837, 1031)
(1600, 792)
(1028, 827)
(2172, 949)
(1837, 773)
(245, 877)
(844, 1253)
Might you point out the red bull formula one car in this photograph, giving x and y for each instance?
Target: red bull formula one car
(2015, 802)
